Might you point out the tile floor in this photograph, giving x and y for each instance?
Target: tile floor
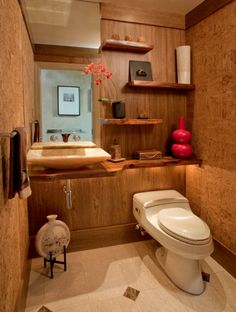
(96, 280)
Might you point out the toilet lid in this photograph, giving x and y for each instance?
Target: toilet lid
(184, 225)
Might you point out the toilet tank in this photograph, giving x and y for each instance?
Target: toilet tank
(156, 198)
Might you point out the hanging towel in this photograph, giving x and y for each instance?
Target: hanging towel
(19, 177)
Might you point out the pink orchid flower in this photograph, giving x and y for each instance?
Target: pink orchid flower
(100, 72)
(108, 75)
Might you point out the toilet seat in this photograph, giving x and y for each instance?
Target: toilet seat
(183, 225)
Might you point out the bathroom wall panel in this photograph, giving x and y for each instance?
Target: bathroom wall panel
(16, 63)
(99, 202)
(212, 188)
(105, 202)
(168, 105)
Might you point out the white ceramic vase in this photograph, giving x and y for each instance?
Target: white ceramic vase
(52, 237)
(183, 57)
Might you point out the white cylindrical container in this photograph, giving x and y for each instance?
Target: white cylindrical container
(183, 57)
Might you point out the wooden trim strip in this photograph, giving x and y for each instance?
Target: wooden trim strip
(141, 16)
(203, 10)
(55, 50)
(21, 3)
(98, 238)
(105, 236)
(224, 257)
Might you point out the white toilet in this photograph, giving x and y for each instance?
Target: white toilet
(168, 218)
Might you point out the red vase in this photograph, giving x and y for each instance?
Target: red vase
(182, 150)
(181, 135)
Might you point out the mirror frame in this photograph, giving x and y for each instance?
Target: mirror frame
(96, 127)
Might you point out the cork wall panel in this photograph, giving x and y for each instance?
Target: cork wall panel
(212, 193)
(166, 105)
(99, 202)
(14, 59)
(11, 70)
(213, 43)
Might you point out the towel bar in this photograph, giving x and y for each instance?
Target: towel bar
(7, 135)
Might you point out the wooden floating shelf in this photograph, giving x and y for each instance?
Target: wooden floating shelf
(160, 85)
(134, 163)
(106, 168)
(126, 46)
(47, 174)
(132, 122)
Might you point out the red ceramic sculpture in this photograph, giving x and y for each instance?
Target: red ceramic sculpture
(181, 135)
(182, 138)
(182, 150)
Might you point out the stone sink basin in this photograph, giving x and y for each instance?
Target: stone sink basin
(65, 156)
(52, 145)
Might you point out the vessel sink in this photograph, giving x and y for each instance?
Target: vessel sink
(66, 158)
(49, 145)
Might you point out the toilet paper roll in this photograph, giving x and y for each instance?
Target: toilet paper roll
(183, 57)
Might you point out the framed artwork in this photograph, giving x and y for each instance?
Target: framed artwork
(68, 101)
(140, 70)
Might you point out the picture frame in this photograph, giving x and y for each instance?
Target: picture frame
(140, 70)
(68, 100)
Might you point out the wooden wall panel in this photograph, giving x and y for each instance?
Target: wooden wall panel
(167, 105)
(106, 202)
(212, 188)
(16, 88)
(99, 202)
(66, 59)
(62, 54)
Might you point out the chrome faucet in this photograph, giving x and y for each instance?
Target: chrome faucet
(67, 190)
(65, 134)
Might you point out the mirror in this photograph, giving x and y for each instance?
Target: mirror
(67, 23)
(64, 24)
(66, 103)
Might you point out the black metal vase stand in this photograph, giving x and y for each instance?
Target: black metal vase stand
(52, 260)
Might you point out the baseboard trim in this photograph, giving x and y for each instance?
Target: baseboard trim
(224, 257)
(98, 237)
